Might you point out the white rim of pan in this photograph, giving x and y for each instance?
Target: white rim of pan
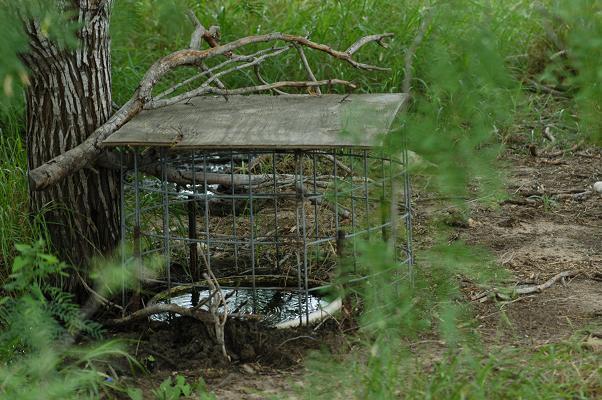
(313, 317)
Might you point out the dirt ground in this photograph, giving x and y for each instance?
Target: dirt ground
(548, 225)
(545, 228)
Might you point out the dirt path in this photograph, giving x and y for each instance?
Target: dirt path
(544, 229)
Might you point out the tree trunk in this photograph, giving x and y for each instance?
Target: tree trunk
(68, 98)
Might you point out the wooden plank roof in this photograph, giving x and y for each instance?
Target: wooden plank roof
(263, 122)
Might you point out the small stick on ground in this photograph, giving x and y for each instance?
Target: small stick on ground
(559, 153)
(524, 290)
(547, 284)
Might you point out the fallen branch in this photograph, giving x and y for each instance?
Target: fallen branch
(232, 60)
(205, 90)
(96, 299)
(211, 36)
(509, 293)
(574, 194)
(262, 80)
(559, 153)
(547, 284)
(86, 152)
(146, 312)
(554, 193)
(238, 180)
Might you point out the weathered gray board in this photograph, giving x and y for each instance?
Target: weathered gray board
(263, 122)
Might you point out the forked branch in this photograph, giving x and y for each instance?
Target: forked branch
(86, 153)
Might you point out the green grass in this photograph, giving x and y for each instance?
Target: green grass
(557, 371)
(146, 30)
(15, 226)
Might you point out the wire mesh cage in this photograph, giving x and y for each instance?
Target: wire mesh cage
(271, 224)
(267, 219)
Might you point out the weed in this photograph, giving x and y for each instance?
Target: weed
(39, 324)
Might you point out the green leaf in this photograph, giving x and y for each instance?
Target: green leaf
(48, 258)
(134, 393)
(19, 263)
(23, 248)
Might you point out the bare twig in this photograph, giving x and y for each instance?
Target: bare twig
(379, 39)
(96, 299)
(547, 284)
(195, 43)
(502, 295)
(232, 60)
(559, 153)
(211, 36)
(310, 73)
(205, 86)
(339, 163)
(246, 90)
(262, 80)
(146, 312)
(217, 301)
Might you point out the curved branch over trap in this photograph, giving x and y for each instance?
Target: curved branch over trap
(88, 151)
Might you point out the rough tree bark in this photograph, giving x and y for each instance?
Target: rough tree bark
(69, 97)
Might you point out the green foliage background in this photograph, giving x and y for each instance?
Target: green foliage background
(474, 78)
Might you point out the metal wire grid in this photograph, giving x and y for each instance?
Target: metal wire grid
(288, 213)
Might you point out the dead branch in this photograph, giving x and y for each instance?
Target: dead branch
(86, 152)
(248, 90)
(339, 163)
(554, 193)
(206, 89)
(95, 300)
(502, 294)
(232, 60)
(217, 301)
(547, 284)
(195, 42)
(242, 180)
(310, 73)
(379, 39)
(559, 153)
(146, 312)
(262, 80)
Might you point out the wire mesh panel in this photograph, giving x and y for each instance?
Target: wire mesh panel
(261, 219)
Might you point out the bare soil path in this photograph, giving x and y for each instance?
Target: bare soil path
(546, 227)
